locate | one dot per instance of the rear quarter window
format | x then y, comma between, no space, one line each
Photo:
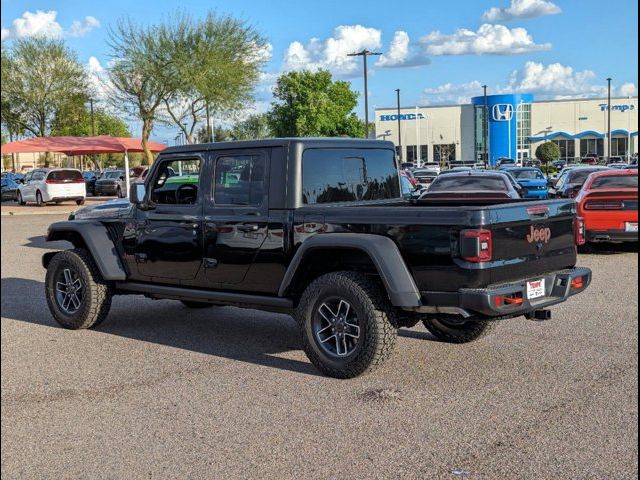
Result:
348,175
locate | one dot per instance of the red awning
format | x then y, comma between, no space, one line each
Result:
80,145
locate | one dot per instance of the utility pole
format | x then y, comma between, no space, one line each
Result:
485,127
609,117
399,129
93,120
209,133
364,54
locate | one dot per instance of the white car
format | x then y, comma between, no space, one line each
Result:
52,185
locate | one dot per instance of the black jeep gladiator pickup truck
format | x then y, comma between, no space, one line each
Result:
316,228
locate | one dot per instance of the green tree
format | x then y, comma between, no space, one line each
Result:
312,104
253,127
547,152
40,79
105,124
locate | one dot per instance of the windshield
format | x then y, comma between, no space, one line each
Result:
468,183
112,175
618,181
527,174
580,176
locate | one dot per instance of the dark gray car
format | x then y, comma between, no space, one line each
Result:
111,182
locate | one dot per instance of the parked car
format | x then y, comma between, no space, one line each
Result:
112,182
90,181
435,166
52,185
455,170
532,162
317,228
424,176
590,159
473,184
559,164
502,161
9,189
571,180
407,165
608,205
532,181
618,165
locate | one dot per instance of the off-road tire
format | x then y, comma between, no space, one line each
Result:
96,300
20,200
377,327
192,304
39,201
452,332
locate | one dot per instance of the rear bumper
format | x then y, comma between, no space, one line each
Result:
596,236
558,287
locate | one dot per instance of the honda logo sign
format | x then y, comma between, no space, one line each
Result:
502,112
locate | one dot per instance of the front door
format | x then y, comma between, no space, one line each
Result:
236,215
169,234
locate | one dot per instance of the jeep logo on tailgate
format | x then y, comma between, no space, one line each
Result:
539,234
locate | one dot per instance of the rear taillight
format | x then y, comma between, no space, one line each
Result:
57,182
580,231
604,205
476,245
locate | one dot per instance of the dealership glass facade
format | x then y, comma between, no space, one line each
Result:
591,145
479,126
567,148
444,153
523,126
619,146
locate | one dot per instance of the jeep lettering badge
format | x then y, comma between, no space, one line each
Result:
539,234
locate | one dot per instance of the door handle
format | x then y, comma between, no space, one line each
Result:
248,227
192,225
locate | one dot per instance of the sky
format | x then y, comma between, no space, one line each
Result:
435,52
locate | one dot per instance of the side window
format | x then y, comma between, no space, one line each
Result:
347,175
27,177
561,181
176,182
38,176
239,180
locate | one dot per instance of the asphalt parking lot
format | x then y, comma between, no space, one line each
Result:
160,391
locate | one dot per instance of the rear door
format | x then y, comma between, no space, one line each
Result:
532,238
236,214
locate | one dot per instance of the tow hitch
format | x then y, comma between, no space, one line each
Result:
538,315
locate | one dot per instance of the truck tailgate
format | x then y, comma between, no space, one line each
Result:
531,239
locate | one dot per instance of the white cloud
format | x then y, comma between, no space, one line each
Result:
628,90
489,39
401,53
332,53
552,81
521,9
41,23
99,83
451,93
80,29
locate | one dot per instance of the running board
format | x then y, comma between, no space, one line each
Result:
225,298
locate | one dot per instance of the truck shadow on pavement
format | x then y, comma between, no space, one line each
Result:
608,248
227,332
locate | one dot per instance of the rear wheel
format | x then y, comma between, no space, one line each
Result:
77,295
346,323
191,304
454,329
39,201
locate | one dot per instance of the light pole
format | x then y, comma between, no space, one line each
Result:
399,130
364,54
609,117
485,127
93,121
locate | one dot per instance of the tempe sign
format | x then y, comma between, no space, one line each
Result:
620,108
403,116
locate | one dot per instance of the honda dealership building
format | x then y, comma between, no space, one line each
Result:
517,124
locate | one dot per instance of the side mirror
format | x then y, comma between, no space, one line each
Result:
137,193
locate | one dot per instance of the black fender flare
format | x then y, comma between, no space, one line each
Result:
98,242
382,251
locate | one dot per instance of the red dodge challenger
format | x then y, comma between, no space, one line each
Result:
608,205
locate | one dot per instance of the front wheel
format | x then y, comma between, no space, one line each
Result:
346,323
457,330
119,193
77,295
80,201
20,199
